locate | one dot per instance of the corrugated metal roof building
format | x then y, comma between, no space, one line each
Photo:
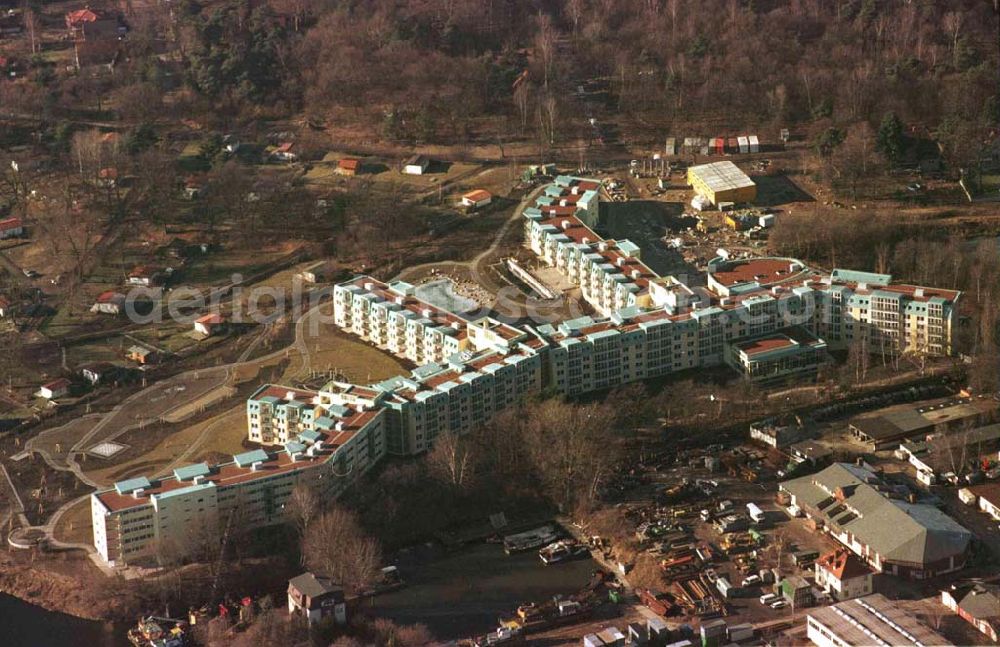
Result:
722,182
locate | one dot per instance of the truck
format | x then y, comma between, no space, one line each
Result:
755,512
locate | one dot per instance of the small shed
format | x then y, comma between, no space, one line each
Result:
349,166
209,324
316,597
141,355
284,153
109,303
55,389
744,144
477,198
416,165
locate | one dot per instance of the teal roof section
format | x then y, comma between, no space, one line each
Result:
293,447
310,436
856,276
338,410
131,485
628,247
246,459
191,489
401,287
325,423
189,472
604,334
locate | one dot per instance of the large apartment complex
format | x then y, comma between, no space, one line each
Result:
770,318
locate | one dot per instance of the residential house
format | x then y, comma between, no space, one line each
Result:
978,604
11,227
416,165
93,24
843,575
477,199
98,372
879,524
316,597
193,187
142,355
283,152
109,303
209,324
348,166
145,276
55,389
988,498
108,177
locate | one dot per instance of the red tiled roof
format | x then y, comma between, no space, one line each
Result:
478,195
57,384
232,474
843,565
349,164
10,223
765,271
82,15
211,318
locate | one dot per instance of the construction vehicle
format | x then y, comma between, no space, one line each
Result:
154,631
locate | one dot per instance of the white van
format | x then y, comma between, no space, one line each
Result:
768,598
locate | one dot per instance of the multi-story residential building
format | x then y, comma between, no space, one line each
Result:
449,397
140,518
391,317
277,415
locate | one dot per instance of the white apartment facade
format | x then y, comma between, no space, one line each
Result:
392,318
140,519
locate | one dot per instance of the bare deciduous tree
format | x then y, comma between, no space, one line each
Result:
336,546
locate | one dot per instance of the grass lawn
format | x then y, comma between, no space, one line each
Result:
75,524
356,360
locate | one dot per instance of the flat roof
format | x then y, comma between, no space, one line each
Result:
722,176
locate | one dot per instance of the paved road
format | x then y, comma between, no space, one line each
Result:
156,401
